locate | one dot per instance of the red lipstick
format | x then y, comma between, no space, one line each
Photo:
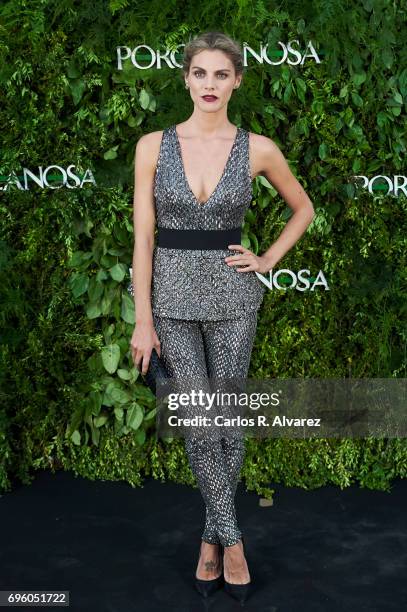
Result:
209,98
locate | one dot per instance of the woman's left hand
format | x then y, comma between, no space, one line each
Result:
247,258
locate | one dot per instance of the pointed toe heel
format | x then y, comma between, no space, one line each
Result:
208,587
240,592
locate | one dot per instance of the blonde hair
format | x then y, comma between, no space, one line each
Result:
214,40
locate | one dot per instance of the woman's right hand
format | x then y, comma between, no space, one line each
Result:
143,340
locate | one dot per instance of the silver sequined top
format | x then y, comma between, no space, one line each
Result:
198,284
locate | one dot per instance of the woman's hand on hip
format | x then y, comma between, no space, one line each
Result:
252,262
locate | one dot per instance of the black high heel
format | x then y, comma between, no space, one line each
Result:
207,587
238,591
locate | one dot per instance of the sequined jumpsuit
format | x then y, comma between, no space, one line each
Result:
205,312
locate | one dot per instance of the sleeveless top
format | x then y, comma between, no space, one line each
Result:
198,284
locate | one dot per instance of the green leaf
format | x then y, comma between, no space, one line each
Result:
144,99
93,310
79,284
73,70
95,436
77,87
102,275
140,436
118,272
132,121
111,153
287,93
76,437
301,88
151,414
117,5
78,258
300,26
111,357
120,396
359,78
124,374
134,416
397,98
387,57
100,420
382,119
95,399
118,412
323,151
95,290
263,181
127,308
357,100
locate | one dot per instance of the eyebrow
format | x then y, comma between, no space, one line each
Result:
221,69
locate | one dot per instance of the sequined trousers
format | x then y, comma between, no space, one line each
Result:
199,350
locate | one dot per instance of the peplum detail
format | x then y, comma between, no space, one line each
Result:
198,284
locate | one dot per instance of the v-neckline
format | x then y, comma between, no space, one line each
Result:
187,185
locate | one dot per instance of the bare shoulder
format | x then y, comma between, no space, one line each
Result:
263,151
148,148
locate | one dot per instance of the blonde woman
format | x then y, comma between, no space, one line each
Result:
196,292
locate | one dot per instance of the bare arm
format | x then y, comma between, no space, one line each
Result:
143,223
144,337
268,160
273,165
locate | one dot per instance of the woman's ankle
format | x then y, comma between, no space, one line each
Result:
233,547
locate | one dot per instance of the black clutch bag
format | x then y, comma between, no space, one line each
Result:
156,370
156,367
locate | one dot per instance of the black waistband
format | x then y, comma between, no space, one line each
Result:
197,239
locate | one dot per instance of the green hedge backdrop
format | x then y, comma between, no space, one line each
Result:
70,397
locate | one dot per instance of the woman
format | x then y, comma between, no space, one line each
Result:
197,293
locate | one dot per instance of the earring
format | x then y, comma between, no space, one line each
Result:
186,85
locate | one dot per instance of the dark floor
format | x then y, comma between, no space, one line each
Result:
119,549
